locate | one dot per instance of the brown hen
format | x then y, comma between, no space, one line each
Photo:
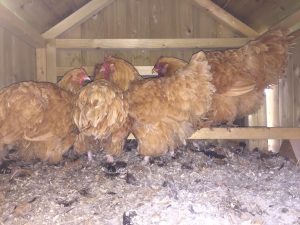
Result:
164,110
43,127
38,118
100,112
116,71
121,74
240,75
73,80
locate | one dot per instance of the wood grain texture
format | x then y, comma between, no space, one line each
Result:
143,70
79,16
43,14
206,43
20,28
51,61
41,64
245,133
17,59
227,18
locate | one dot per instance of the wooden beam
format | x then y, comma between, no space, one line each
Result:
246,133
227,18
150,43
143,70
292,23
41,62
51,61
78,17
18,27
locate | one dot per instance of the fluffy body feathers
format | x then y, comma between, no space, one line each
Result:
239,75
115,70
73,80
100,111
37,118
163,111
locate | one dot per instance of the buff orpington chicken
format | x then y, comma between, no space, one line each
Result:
162,111
36,117
239,75
117,72
100,111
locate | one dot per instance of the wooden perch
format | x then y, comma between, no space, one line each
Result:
143,70
227,18
246,133
151,43
78,17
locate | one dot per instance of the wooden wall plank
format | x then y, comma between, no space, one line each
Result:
227,18
291,22
76,18
289,99
140,20
19,28
2,60
16,59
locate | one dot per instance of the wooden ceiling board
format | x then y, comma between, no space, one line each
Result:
43,14
260,14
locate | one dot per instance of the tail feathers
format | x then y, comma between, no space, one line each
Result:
237,91
267,57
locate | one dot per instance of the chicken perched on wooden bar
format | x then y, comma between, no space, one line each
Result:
36,117
164,110
239,75
74,80
36,114
100,112
120,74
117,72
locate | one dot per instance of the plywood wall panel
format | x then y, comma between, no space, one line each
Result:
289,100
142,19
17,59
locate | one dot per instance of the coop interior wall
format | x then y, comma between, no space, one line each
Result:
142,19
17,59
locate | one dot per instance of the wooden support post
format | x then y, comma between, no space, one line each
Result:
272,111
51,61
258,119
41,63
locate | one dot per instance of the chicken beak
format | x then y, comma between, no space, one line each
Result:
87,78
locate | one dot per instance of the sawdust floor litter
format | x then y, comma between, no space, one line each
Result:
203,183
